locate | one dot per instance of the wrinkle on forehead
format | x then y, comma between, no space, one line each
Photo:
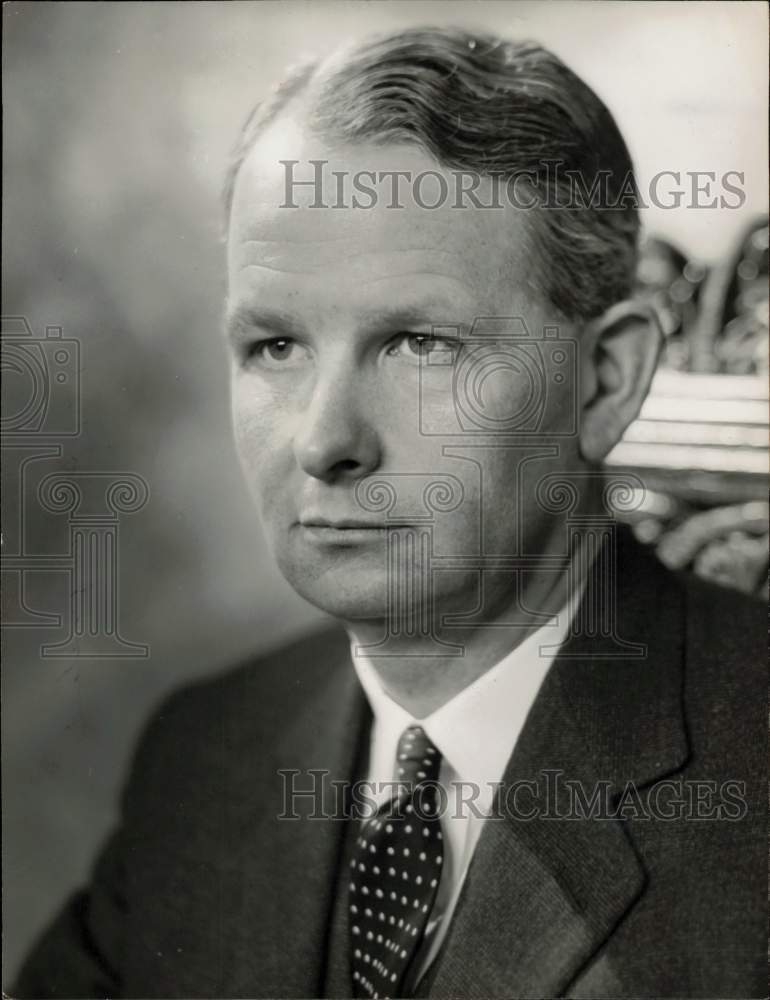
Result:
311,258
371,255
479,248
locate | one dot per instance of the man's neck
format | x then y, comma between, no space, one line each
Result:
421,678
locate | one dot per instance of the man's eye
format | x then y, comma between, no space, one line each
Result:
416,346
278,352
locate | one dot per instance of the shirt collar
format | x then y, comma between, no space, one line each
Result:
477,729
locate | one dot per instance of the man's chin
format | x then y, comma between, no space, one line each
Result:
347,602
345,587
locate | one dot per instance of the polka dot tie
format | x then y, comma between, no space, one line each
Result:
395,872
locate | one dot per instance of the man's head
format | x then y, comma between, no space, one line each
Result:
334,307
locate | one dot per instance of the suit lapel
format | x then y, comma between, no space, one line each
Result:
284,871
544,893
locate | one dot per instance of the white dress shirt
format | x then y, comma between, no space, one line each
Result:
475,731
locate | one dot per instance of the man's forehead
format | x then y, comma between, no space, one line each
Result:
272,219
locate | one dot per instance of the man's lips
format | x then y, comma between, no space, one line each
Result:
349,524
345,532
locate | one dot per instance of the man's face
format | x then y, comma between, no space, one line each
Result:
330,315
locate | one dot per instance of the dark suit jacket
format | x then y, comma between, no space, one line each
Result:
203,892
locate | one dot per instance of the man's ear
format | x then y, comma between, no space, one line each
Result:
619,354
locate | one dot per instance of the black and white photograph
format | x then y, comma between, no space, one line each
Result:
385,517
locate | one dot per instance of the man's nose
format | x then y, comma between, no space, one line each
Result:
336,438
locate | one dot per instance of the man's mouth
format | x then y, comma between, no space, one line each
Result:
346,530
346,524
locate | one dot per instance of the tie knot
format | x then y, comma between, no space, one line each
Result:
417,760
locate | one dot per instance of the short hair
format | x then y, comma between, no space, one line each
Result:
481,103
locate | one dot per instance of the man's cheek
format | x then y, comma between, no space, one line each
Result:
256,424
258,456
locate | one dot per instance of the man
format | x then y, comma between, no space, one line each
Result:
425,381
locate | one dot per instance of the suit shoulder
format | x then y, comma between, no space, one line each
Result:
726,687
250,697
724,623
303,662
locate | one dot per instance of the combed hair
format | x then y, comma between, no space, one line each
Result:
479,103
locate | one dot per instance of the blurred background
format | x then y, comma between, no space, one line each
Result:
118,119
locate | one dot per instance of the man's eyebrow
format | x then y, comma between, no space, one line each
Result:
400,317
244,318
